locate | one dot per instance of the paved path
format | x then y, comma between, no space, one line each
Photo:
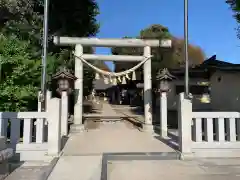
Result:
28,171
83,153
213,169
108,111
113,137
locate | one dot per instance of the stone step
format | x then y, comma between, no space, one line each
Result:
77,167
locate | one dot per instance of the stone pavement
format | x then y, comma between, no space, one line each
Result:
113,137
83,153
28,171
118,152
108,111
130,112
213,169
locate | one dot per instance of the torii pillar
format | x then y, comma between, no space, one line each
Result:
148,90
78,107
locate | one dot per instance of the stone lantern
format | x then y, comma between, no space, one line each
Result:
64,80
65,84
163,77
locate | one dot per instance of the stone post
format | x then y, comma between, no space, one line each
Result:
184,125
40,125
64,114
148,90
163,114
54,127
78,107
39,103
48,97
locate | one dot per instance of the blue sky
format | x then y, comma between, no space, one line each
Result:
211,25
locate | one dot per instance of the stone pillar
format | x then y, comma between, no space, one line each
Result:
78,107
64,114
54,127
148,90
184,125
48,98
39,103
40,123
163,114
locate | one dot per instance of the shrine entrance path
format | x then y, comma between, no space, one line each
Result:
86,154
113,138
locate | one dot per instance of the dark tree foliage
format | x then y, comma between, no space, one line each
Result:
21,29
235,5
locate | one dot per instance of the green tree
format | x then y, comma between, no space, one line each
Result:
235,5
21,23
24,18
19,75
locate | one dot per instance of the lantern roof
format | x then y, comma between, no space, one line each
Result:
164,74
64,73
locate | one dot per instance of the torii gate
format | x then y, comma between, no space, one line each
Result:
95,42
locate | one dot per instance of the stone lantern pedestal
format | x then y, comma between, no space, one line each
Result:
163,77
65,83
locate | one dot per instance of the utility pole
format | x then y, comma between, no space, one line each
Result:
44,53
186,48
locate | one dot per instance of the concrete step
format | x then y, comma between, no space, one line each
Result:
77,167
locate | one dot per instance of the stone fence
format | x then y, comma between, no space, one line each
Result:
41,137
207,134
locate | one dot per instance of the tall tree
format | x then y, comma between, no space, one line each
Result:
24,18
19,75
21,23
235,5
